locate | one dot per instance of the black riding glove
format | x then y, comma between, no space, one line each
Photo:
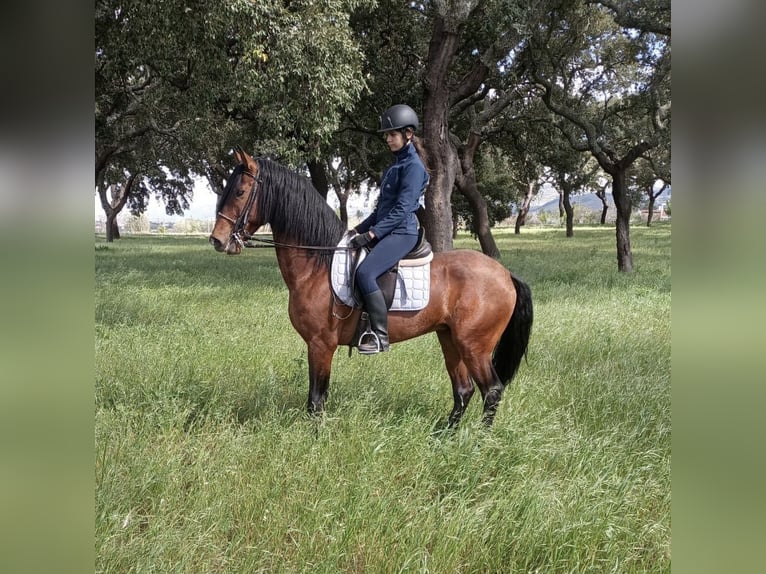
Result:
360,240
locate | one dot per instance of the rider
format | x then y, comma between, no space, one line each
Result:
391,230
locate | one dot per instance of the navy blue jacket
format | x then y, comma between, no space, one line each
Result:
400,191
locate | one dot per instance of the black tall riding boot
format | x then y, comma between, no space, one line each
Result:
376,340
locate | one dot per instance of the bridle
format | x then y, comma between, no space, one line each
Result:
238,233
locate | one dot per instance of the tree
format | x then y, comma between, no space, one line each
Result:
601,188
590,64
529,191
468,40
137,224
610,87
572,173
647,181
344,181
496,185
482,114
113,204
558,164
179,83
153,78
656,167
517,138
527,139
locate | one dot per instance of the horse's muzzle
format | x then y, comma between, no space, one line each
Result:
215,243
232,248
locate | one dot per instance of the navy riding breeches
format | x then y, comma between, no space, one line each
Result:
383,257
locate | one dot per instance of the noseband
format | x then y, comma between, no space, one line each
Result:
238,233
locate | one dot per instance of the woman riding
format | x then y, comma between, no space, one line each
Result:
391,230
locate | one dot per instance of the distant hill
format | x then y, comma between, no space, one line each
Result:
589,201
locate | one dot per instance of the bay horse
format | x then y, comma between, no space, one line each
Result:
481,314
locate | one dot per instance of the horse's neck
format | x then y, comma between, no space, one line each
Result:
297,266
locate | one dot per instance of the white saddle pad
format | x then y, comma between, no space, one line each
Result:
413,282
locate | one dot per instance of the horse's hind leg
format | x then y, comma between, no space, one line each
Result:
462,386
478,364
490,385
492,399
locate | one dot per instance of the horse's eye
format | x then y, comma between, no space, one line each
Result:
240,193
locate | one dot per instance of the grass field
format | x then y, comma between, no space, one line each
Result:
206,461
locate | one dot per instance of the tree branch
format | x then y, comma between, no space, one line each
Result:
625,16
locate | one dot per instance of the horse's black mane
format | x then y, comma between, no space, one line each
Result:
295,209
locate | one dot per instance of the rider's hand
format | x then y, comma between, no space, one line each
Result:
360,240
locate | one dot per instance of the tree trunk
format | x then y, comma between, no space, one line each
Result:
318,177
343,200
441,152
113,208
438,216
344,210
601,194
112,230
562,211
567,204
521,218
466,184
481,218
652,199
623,205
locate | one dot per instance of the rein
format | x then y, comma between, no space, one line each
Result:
272,243
239,235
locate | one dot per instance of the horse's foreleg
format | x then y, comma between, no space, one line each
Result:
462,386
320,363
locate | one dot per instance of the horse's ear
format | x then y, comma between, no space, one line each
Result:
243,157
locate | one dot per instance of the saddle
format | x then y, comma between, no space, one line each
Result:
419,255
411,285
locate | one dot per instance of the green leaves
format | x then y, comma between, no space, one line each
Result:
179,83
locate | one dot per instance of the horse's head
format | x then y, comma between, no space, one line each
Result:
236,209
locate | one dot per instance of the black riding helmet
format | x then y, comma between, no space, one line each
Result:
398,117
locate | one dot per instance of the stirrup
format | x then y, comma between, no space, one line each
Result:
367,349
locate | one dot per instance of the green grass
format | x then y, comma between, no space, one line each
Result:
207,462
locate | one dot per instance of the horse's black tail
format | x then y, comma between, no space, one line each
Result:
512,346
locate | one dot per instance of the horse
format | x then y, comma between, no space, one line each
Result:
481,313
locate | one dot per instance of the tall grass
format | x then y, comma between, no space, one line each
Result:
206,461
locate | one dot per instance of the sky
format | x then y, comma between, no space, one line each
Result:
202,206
